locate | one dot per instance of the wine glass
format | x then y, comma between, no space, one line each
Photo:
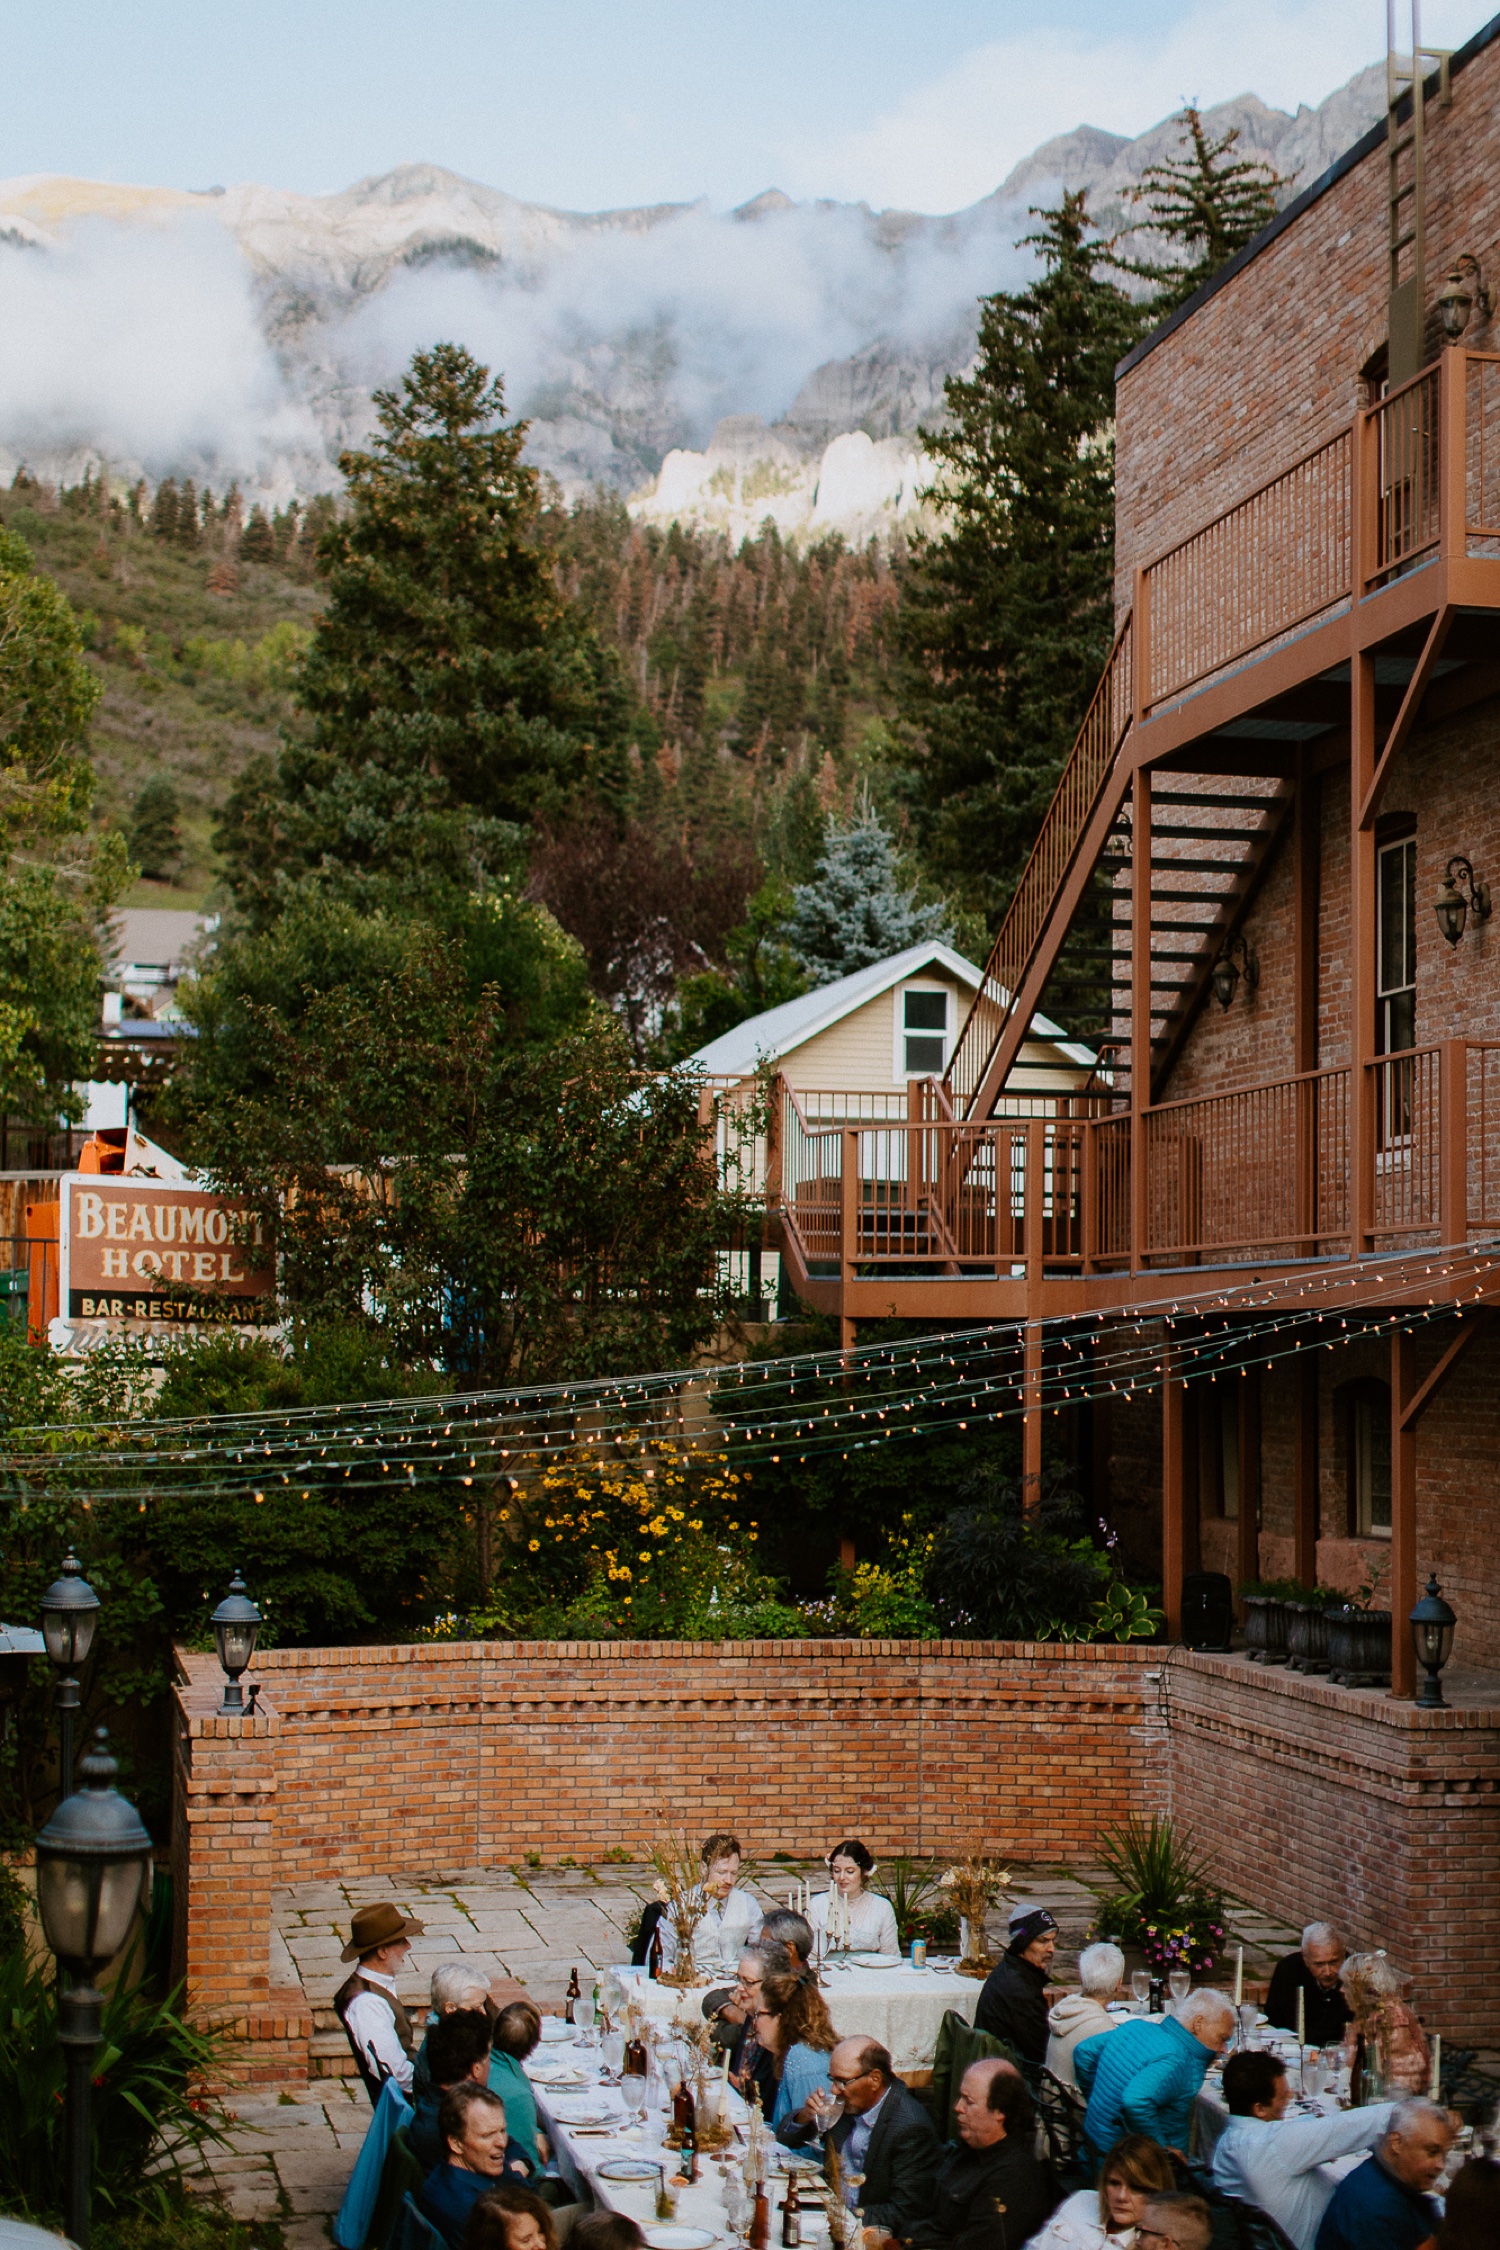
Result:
583,2013
1179,1984
613,2045
827,2108
1314,2073
1247,2013
633,2091
1140,1985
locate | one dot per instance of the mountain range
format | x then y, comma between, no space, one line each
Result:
718,366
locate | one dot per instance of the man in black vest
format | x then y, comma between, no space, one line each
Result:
377,2027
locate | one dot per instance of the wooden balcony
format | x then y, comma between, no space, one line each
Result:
1046,1214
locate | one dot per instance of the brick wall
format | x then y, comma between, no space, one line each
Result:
1269,366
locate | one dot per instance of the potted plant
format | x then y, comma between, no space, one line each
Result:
1164,1901
1265,1603
1359,1635
1307,1629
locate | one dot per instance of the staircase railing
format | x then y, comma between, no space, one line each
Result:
1026,918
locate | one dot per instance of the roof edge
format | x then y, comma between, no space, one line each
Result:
1366,145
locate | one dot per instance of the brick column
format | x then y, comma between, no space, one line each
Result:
224,1862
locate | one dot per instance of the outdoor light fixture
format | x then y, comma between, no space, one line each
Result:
1432,1623
93,1861
1455,300
70,1612
1235,958
1461,890
236,1624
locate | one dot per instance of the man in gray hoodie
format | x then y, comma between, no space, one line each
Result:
1083,2014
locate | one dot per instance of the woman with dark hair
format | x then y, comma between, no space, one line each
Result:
1472,2214
793,2025
510,2217
606,2230
517,2030
851,1918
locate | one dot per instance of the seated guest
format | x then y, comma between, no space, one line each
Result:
1471,2208
732,2021
606,2230
731,1918
1314,1972
456,1985
793,1931
862,1920
515,2035
1106,2217
991,2191
1013,2004
792,2024
458,2054
508,2217
1083,2014
1144,2076
884,2135
1386,2202
479,2154
1175,2222
1378,1996
379,2030
1275,2161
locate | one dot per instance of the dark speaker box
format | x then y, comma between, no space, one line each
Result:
1207,1609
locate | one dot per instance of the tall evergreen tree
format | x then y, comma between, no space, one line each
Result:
857,910
1008,616
1206,204
451,691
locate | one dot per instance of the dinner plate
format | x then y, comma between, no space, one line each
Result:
555,2030
580,2113
557,2074
680,2238
628,2168
876,1960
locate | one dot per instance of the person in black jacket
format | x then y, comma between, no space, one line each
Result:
992,2191
1013,2004
885,2138
1314,1972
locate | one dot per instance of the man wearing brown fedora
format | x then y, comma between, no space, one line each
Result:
377,2027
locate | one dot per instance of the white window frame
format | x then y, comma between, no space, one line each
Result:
899,1071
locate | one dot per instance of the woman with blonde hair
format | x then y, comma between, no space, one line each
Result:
793,2026
1106,2217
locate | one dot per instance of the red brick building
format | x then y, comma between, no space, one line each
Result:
1292,761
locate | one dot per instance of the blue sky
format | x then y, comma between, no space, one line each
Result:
588,103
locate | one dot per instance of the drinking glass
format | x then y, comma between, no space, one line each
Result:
583,2011
1179,1984
613,2044
1314,2073
1248,2014
827,2108
633,2091
1140,1985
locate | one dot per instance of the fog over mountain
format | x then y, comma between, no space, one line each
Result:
773,360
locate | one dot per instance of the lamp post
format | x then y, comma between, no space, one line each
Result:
70,1612
93,1860
1432,1623
236,1624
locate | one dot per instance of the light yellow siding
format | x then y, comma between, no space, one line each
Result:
858,1055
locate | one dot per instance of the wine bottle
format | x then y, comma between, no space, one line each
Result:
759,2237
791,2216
575,1992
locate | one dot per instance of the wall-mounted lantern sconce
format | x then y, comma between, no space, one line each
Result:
1236,959
1461,892
1457,299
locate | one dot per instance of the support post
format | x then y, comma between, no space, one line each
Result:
1140,634
1173,1489
1140,1012
1453,496
1032,1237
1362,939
848,1232
1247,1556
1453,1172
1403,1513
80,2012
1305,1470
1364,502
1306,856
1031,1428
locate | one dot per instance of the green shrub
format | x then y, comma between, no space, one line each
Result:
1164,1899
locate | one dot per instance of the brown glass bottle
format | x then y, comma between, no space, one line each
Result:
636,2062
759,2237
575,1992
684,2112
791,2216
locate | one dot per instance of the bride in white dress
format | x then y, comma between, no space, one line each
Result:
851,1918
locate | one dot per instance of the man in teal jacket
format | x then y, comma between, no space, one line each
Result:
1144,2076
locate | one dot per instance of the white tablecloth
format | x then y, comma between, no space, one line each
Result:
901,2008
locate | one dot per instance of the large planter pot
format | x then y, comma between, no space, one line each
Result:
1307,1636
1265,1629
1359,1647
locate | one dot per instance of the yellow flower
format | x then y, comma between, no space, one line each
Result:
533,1545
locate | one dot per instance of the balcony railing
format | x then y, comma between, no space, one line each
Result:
1258,1174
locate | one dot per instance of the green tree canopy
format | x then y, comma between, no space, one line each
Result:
1007,618
1205,204
856,909
450,691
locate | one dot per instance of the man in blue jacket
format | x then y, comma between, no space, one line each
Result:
1144,2077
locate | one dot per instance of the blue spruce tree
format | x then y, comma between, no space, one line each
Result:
856,909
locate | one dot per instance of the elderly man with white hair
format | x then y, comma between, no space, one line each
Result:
1314,1972
1082,2014
1145,2076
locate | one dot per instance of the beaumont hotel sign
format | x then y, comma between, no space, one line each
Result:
136,1251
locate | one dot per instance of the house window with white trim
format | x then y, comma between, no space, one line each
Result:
925,1025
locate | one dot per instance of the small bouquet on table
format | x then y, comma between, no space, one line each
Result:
974,1884
679,1887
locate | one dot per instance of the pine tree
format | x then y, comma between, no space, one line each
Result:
154,835
164,509
187,514
856,909
1008,614
1207,202
258,540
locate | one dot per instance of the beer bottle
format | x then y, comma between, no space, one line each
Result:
575,1992
791,2216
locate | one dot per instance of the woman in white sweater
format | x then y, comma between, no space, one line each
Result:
851,1918
1083,2014
1106,2217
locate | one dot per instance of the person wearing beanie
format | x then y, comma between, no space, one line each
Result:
1013,2004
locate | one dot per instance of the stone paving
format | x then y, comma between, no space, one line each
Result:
291,2153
